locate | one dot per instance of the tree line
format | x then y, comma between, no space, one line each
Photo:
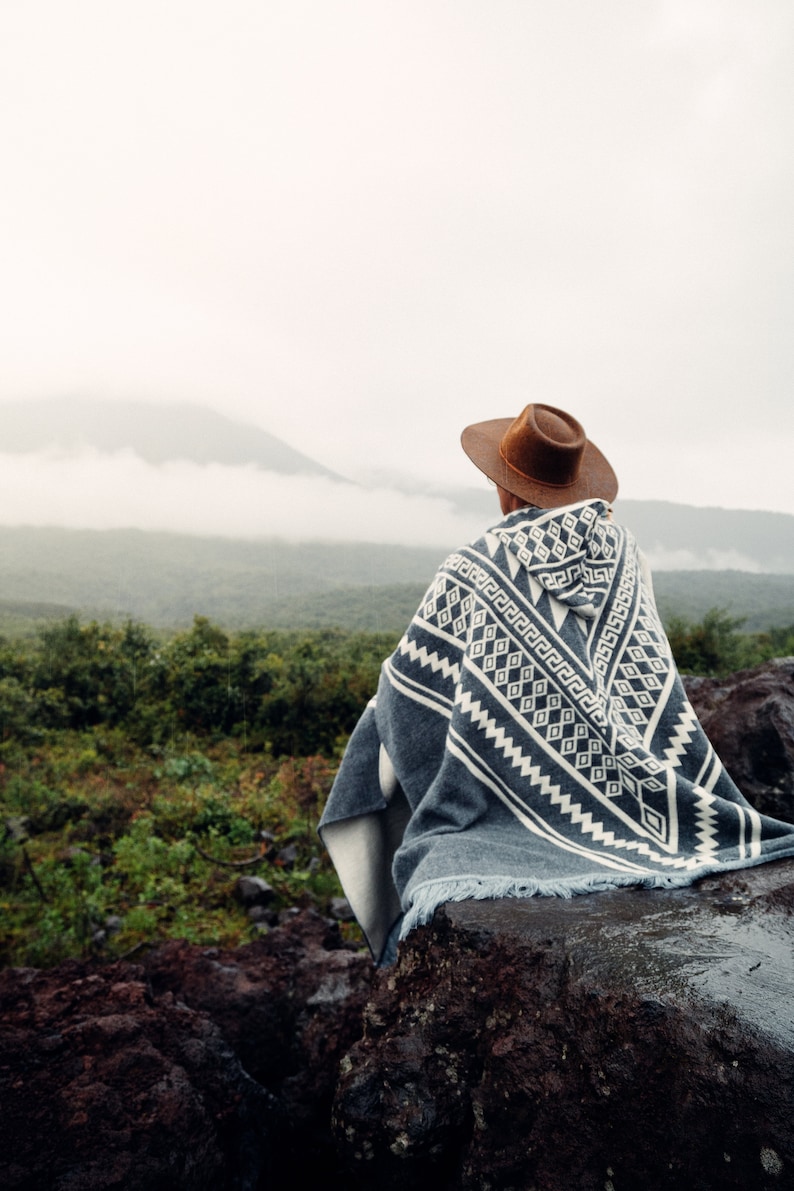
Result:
287,693
716,646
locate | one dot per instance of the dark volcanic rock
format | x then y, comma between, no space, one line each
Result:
254,891
290,1006
198,1069
749,718
633,1041
100,1088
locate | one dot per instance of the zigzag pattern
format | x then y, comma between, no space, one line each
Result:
421,655
479,716
707,821
686,728
543,785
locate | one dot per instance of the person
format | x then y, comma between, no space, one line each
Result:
530,734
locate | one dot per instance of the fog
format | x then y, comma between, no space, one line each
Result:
95,490
89,489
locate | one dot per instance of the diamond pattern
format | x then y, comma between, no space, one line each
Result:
515,646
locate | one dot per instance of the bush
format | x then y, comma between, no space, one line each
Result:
715,647
103,852
712,647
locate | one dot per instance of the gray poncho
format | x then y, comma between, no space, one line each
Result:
531,735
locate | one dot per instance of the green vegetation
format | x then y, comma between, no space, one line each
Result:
715,646
141,775
139,778
107,847
284,693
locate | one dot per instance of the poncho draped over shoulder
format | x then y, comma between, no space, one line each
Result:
531,735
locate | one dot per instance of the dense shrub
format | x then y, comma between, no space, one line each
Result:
715,646
285,693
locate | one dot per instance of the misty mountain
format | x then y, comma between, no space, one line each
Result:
157,433
675,537
682,537
165,579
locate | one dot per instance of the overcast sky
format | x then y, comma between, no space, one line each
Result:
362,224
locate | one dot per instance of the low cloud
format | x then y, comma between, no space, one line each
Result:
94,490
662,559
90,489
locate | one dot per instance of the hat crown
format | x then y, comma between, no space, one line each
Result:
544,444
543,456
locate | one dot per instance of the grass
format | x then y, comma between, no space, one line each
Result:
107,847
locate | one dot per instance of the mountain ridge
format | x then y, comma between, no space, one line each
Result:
156,432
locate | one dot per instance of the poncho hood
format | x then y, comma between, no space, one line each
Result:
569,552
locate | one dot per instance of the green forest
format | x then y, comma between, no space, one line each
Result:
141,773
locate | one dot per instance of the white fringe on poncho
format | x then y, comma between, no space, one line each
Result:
531,735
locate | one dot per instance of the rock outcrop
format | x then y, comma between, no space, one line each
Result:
627,1041
203,1070
749,718
290,1006
102,1087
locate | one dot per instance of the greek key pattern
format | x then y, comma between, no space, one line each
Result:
515,648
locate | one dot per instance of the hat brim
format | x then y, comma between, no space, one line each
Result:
596,478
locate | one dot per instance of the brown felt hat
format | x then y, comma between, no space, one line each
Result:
542,456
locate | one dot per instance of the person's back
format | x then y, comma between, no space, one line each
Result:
530,733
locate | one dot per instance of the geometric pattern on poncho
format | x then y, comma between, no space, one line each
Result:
526,665
535,720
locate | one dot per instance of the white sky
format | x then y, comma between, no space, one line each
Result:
362,224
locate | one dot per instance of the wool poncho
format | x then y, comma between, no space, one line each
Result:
531,735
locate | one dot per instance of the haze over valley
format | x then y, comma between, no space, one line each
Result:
88,464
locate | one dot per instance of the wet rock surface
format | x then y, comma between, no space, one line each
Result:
749,718
636,1040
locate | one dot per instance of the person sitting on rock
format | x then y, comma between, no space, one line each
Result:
530,733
